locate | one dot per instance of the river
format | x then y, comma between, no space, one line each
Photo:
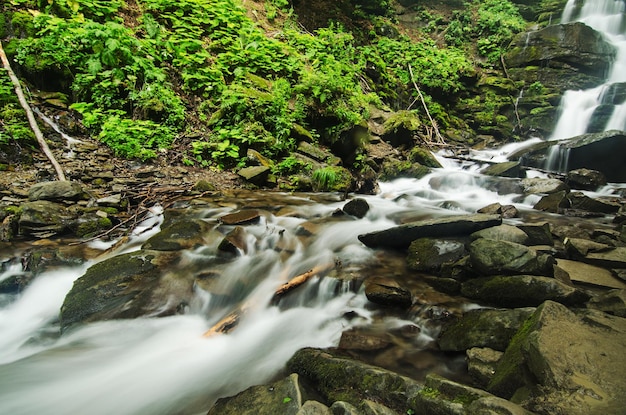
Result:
165,365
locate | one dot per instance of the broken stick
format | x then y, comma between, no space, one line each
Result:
229,322
30,116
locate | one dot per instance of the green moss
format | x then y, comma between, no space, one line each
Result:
393,169
332,179
424,157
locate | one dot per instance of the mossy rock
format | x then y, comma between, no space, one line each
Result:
332,179
124,287
92,225
393,169
424,157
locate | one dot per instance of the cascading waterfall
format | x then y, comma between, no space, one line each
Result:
578,106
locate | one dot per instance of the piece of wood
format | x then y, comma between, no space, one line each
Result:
31,118
298,280
230,321
433,123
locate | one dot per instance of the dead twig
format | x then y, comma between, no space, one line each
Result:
433,123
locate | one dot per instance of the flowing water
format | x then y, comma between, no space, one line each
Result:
165,365
578,106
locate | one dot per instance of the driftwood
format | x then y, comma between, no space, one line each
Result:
31,118
229,322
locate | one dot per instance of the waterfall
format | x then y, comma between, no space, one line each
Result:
577,107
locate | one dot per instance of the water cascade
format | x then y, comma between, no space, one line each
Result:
578,107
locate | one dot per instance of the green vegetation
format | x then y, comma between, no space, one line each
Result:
212,78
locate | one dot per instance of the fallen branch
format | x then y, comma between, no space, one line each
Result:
298,280
30,116
432,121
229,322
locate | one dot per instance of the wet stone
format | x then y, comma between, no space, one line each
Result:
387,292
242,217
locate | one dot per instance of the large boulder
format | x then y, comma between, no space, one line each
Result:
127,286
496,257
429,254
602,152
560,362
483,328
344,379
521,291
43,218
570,56
402,236
286,396
56,191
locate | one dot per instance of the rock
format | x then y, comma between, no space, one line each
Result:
424,157
400,128
613,258
110,201
553,203
566,363
429,254
579,247
184,234
585,179
580,272
537,185
578,53
44,219
314,408
242,217
491,257
595,151
506,211
344,408
257,175
402,236
521,291
483,328
286,396
441,396
347,380
235,241
56,191
315,152
127,286
357,207
611,302
356,339
580,201
503,232
538,233
481,364
506,169
387,292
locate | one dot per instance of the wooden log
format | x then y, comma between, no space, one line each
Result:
229,322
30,116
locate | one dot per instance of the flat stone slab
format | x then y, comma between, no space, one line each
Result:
589,274
401,236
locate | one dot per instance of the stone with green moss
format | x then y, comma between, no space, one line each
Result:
393,169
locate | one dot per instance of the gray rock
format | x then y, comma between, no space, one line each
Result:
553,203
613,258
538,233
566,363
44,218
503,232
351,381
127,286
580,201
585,179
344,408
491,257
387,292
314,408
506,169
429,254
286,396
235,241
357,207
481,364
521,291
402,236
581,273
56,191
537,185
184,234
483,328
612,302
257,175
